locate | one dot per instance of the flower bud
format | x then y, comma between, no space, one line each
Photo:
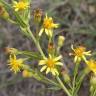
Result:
3,13
37,15
51,47
66,76
11,50
26,73
61,41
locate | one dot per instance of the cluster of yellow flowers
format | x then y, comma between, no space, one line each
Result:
49,60
49,63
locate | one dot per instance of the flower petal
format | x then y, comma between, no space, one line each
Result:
75,59
50,33
87,53
43,68
41,31
47,31
46,16
56,25
50,56
53,72
42,62
57,58
48,70
56,71
59,63
84,58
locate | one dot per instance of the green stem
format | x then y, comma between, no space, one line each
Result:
74,79
94,94
80,79
63,87
36,43
38,76
10,20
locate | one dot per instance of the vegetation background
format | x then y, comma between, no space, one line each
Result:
77,20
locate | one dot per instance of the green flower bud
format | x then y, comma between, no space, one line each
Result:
37,15
11,50
66,77
61,41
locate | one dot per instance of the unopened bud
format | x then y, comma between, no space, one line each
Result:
66,76
11,50
61,41
3,13
26,74
37,15
50,47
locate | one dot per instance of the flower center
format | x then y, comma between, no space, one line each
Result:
16,63
48,23
50,63
79,51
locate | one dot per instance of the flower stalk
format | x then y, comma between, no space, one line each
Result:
36,42
63,87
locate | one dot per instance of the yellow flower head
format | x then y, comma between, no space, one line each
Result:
48,26
80,53
21,5
92,65
26,73
15,64
49,64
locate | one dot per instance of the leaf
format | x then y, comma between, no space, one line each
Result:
54,88
31,55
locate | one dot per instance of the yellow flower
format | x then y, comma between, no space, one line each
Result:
80,53
49,64
92,65
21,5
26,73
15,64
48,26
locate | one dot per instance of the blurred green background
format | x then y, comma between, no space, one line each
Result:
77,20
